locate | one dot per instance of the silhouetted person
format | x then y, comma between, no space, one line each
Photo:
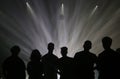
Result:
118,63
50,63
65,65
35,66
84,62
108,61
14,67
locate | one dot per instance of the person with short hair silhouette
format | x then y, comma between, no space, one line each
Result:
107,63
50,62
84,62
13,66
35,66
65,65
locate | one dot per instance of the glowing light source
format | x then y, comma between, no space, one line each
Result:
40,24
62,9
94,10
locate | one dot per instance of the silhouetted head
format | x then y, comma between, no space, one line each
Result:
87,45
106,41
118,50
35,55
50,47
15,50
64,51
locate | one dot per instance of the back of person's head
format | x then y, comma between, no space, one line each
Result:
51,47
106,41
64,51
15,50
87,45
35,55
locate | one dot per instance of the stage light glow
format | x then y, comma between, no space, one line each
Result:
69,24
96,7
62,28
62,9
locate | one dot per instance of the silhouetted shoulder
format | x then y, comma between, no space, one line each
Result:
77,54
14,61
35,67
81,53
108,53
93,55
66,60
48,57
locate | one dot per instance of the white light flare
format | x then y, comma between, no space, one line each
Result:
94,10
72,28
39,23
29,7
62,9
62,30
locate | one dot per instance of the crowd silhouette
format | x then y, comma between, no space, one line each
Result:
81,66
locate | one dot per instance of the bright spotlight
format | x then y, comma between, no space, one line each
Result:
94,10
62,11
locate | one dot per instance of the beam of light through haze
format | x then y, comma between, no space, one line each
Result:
34,23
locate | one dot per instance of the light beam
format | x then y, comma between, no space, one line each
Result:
67,24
